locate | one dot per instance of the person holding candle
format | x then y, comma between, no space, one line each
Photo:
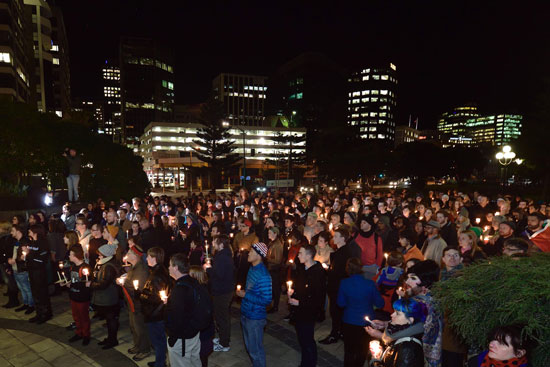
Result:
357,296
307,299
152,304
403,336
256,297
220,273
274,265
337,272
105,293
79,294
22,276
36,261
469,249
137,275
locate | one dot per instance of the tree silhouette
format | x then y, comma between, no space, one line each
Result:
214,144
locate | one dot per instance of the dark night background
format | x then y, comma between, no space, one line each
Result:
446,52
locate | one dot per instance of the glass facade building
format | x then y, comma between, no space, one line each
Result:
372,103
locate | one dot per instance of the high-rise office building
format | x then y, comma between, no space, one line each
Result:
16,57
61,76
465,123
243,97
454,122
146,86
372,102
111,123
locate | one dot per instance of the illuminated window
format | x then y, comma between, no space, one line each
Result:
375,77
366,77
384,91
299,95
55,48
385,77
55,61
374,92
365,92
5,57
170,85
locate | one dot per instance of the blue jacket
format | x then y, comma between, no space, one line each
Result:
258,293
221,273
358,296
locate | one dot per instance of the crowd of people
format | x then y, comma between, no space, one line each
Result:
177,265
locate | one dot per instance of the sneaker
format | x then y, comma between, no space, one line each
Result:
22,308
216,341
74,338
85,341
220,348
71,326
29,310
329,340
140,356
133,350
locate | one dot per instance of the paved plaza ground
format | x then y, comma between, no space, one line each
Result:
24,344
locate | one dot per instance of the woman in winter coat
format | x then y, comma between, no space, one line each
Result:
402,337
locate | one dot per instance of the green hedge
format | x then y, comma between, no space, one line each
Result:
501,291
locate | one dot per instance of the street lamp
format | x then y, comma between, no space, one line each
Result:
505,157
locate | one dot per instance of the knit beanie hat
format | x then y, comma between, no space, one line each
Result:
107,250
260,248
353,216
274,230
427,271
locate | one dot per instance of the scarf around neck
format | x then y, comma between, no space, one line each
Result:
513,362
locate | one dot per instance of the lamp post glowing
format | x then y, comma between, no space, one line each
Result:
505,157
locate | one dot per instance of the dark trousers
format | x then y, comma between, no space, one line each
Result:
110,313
81,318
336,313
39,289
221,305
139,331
356,345
8,277
158,340
276,286
304,332
452,359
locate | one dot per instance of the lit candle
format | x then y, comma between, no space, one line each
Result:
238,287
85,272
24,253
206,251
421,217
231,235
62,273
486,228
386,256
486,239
325,266
136,284
478,220
497,213
375,349
291,261
330,226
289,284
163,296
125,259
368,320
121,280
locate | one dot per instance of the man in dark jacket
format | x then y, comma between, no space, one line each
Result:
307,299
448,230
37,260
73,172
80,295
152,304
183,339
148,235
336,273
220,274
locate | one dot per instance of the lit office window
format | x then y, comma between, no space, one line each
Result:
5,57
55,48
55,61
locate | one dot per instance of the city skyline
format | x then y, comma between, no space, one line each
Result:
446,54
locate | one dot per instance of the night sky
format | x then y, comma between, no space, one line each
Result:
446,52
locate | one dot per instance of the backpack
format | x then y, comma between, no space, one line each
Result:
201,316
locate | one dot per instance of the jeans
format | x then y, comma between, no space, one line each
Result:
253,334
72,185
24,285
158,340
222,316
192,353
304,332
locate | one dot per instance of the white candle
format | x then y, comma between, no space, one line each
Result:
238,287
325,266
136,284
386,256
289,284
478,220
330,226
85,272
206,251
231,235
163,295
291,261
24,255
